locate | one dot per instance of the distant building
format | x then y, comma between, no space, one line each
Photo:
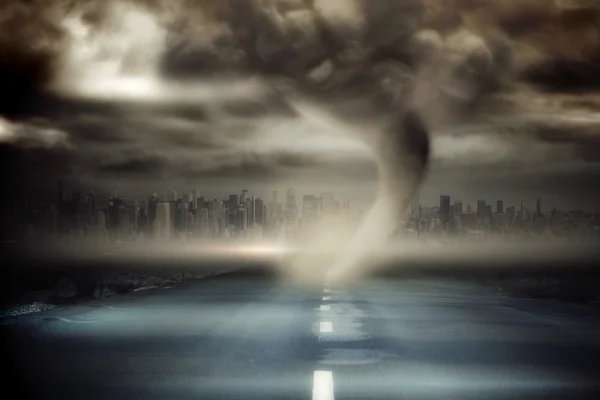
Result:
445,209
115,211
469,208
510,211
539,207
259,211
243,196
310,207
499,207
196,196
202,222
290,203
153,200
458,207
481,209
242,222
163,219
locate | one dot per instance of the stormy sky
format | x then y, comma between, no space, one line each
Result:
135,95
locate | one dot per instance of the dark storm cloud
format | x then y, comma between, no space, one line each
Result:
30,44
565,76
445,58
138,165
283,165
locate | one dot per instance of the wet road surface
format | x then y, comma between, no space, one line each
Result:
256,337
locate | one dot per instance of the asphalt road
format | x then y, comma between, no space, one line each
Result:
255,337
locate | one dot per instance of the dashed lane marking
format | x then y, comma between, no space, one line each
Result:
325,327
323,385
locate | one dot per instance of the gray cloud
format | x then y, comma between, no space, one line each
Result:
460,63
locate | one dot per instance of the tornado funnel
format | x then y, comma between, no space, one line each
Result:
401,151
400,146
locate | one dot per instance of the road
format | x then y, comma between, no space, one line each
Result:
255,337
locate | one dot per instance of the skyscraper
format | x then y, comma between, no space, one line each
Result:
153,200
481,209
539,207
116,204
242,218
243,196
252,211
500,207
310,207
196,195
259,215
458,207
445,208
290,203
163,220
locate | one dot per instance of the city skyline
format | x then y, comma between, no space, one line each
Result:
165,216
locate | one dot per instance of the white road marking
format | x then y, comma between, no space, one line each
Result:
327,298
325,327
323,385
325,307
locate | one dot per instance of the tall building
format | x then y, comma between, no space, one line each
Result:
242,221
539,207
243,196
196,195
310,207
133,211
290,202
174,193
116,204
445,208
163,220
458,207
500,207
510,211
153,200
275,197
481,209
233,202
252,211
202,221
259,214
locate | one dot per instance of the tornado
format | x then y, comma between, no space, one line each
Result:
401,151
400,146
